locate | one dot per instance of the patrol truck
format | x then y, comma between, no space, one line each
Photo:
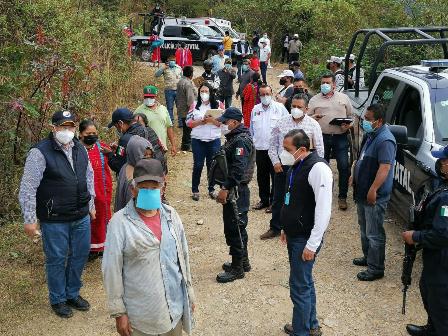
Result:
200,39
416,102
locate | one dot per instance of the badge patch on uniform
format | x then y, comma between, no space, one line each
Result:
120,151
444,211
239,151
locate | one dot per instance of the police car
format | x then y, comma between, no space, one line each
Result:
416,102
200,39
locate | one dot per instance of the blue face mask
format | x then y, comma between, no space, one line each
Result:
325,88
149,199
228,66
171,64
367,126
245,67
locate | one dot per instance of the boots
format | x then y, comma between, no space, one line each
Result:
426,330
245,260
235,272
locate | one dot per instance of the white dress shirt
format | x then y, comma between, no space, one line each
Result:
263,120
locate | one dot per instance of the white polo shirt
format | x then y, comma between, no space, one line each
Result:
263,121
264,52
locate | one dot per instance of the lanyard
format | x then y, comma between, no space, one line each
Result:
293,174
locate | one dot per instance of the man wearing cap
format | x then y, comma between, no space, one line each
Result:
171,74
239,151
294,66
432,236
158,117
287,90
334,65
294,48
146,268
265,55
209,76
352,73
218,60
57,190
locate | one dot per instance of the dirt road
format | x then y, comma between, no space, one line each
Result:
258,304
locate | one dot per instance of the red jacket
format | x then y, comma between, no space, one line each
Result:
187,58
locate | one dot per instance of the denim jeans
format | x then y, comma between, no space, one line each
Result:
373,236
337,146
263,70
302,292
278,199
66,246
228,53
202,151
170,97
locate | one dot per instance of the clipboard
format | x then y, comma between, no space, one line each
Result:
215,113
340,121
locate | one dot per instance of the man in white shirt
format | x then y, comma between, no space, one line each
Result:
334,64
305,217
264,117
265,55
279,157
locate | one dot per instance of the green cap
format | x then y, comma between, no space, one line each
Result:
150,91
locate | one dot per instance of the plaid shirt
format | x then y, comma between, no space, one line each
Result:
310,126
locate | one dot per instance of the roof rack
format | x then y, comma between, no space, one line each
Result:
423,38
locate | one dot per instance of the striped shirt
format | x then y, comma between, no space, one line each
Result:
310,126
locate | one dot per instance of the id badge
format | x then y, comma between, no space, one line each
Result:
287,198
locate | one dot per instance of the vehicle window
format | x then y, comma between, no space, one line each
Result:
188,32
385,92
216,29
171,31
206,31
440,99
409,114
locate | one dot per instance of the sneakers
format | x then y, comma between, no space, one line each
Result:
195,197
62,310
269,234
79,303
343,204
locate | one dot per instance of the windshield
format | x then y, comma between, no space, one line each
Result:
440,101
206,31
216,29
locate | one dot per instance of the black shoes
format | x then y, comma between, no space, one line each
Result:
367,276
79,303
235,272
360,261
62,310
260,205
270,234
313,332
227,266
415,330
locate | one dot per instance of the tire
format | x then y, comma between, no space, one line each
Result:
145,55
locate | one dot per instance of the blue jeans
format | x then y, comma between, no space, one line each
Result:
66,247
373,236
302,292
170,97
263,70
202,151
337,146
228,53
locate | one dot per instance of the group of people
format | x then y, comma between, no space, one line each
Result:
289,135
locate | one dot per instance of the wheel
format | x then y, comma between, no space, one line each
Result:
145,55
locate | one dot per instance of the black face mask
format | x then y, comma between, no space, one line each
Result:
282,81
90,139
298,91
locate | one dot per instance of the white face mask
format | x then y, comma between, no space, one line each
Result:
225,129
64,136
266,100
296,113
149,101
205,96
287,159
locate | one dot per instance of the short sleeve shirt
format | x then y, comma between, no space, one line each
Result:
158,119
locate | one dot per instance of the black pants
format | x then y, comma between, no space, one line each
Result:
230,223
336,146
263,70
265,174
285,54
293,57
186,136
435,298
279,199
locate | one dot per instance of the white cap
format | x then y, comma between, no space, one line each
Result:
286,73
335,59
351,58
296,35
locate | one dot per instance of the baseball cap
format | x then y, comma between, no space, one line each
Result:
334,59
295,63
441,154
296,35
221,48
63,117
148,170
150,91
286,73
231,113
121,113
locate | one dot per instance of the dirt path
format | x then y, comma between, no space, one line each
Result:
258,304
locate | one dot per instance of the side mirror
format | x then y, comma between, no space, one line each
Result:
400,133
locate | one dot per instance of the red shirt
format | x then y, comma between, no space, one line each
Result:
153,223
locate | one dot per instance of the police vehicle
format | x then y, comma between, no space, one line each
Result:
200,39
416,102
220,26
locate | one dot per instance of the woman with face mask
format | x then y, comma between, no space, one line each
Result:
205,135
226,77
251,97
138,148
88,135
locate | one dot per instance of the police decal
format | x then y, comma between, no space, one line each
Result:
403,176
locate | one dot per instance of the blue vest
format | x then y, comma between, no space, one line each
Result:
367,166
62,195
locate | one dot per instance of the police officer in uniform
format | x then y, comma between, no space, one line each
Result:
433,238
239,152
